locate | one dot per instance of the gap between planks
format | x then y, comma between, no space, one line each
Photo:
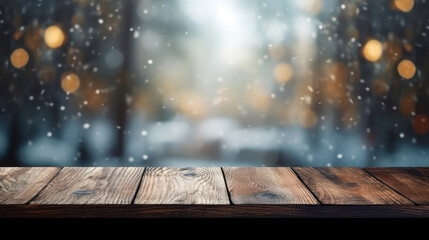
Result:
393,189
28,202
411,182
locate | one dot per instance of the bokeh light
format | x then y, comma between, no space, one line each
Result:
54,37
70,82
274,82
19,58
404,5
406,69
372,50
283,72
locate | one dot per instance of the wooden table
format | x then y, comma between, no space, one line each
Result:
213,192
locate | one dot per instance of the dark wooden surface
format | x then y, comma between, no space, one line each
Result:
213,211
413,183
348,186
214,192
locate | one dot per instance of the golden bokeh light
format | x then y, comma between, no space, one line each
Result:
372,50
421,124
70,82
283,72
54,37
406,69
19,58
404,5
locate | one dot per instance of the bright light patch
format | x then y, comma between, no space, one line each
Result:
226,15
406,69
404,5
283,72
70,82
372,50
54,37
19,58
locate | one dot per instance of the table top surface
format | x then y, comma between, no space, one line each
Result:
213,192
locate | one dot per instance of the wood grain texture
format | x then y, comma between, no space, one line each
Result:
95,185
268,185
348,185
182,186
18,185
413,183
212,211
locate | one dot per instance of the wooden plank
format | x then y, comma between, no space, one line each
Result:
213,211
413,183
182,186
348,186
95,185
268,185
18,185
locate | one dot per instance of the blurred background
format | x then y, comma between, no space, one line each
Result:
214,83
